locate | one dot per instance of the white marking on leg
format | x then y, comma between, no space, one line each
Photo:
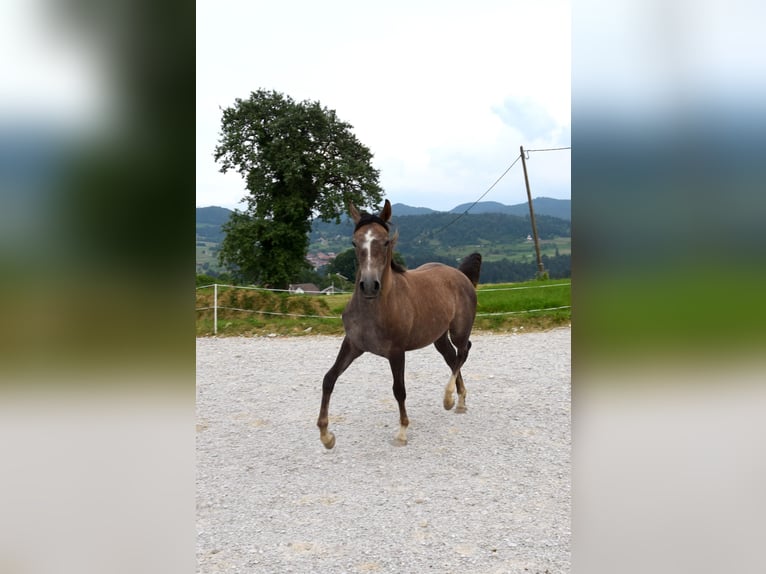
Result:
449,401
461,394
401,437
461,408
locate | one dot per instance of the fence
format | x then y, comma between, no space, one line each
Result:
215,306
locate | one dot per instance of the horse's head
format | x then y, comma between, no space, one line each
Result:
374,249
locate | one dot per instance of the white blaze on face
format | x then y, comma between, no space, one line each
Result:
367,249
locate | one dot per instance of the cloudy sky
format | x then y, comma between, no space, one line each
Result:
442,92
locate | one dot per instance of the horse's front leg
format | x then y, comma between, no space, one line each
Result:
348,352
397,369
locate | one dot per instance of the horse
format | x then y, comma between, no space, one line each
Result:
394,310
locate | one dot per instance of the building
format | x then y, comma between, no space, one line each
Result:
320,259
300,288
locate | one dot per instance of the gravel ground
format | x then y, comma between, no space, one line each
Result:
487,491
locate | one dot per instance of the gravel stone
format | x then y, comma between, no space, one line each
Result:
483,492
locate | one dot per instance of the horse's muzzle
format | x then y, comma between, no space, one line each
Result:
370,288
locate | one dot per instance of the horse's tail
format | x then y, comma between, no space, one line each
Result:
471,267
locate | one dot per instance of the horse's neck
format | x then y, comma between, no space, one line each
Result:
390,285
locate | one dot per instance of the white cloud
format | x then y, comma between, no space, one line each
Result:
528,117
419,81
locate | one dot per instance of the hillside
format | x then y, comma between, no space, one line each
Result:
209,236
561,208
209,217
444,237
404,209
209,222
498,231
213,215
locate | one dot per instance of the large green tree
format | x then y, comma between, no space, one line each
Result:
299,161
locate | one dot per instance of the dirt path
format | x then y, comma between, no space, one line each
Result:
487,491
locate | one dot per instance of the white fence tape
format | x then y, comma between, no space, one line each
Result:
216,307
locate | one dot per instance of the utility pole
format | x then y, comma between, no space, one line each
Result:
540,270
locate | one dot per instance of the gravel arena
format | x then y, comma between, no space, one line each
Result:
487,491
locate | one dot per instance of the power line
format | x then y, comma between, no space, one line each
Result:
480,198
550,149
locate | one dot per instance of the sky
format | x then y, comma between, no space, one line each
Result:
443,93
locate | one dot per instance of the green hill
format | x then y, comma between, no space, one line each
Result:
448,237
428,235
209,236
561,208
213,215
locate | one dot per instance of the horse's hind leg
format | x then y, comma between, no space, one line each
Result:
444,346
455,359
462,355
348,352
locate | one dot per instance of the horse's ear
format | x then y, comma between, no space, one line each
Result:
385,215
353,212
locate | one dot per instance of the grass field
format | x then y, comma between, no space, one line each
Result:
507,307
520,251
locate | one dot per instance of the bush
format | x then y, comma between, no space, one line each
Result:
203,279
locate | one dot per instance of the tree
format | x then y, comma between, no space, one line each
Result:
344,263
299,161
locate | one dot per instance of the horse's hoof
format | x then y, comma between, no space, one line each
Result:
401,437
328,440
448,404
461,410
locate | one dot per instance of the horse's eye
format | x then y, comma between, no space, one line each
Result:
353,243
387,242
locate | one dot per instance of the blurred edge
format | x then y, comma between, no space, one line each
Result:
669,118
96,189
97,340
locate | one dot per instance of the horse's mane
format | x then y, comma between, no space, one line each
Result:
396,267
367,219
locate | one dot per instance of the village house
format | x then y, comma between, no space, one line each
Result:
300,288
320,259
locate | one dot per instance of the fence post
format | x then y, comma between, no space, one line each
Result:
215,308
